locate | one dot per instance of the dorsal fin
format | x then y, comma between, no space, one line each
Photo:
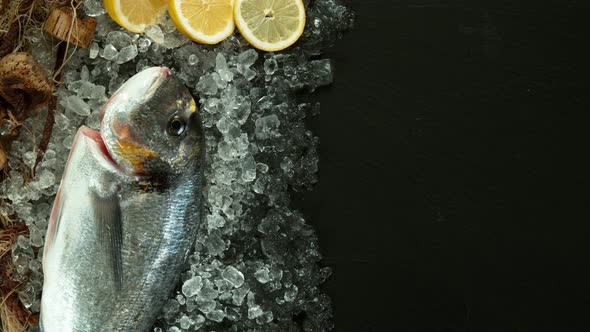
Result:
107,215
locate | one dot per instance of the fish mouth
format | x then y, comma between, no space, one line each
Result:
95,136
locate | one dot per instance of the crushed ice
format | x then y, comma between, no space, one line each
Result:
256,264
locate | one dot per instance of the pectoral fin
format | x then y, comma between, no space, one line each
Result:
54,221
107,214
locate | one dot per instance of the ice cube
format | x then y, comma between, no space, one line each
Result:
119,39
174,39
262,275
23,242
248,57
226,151
155,33
221,84
29,158
27,295
238,295
199,321
62,121
192,286
287,166
143,44
76,105
291,294
233,275
193,59
84,73
96,72
94,7
259,186
224,124
270,66
267,127
7,127
224,287
276,273
68,141
205,305
207,292
216,315
222,68
85,90
243,112
99,93
127,53
249,73
109,52
191,306
215,221
323,71
265,318
262,167
254,311
220,62
248,168
93,120
35,265
207,85
35,236
46,179
185,322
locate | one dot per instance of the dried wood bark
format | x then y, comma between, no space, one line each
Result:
3,158
65,24
3,112
23,82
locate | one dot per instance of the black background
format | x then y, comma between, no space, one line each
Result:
454,182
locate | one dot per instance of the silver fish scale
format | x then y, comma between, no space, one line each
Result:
158,228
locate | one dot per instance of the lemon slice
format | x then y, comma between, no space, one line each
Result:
135,15
270,25
204,21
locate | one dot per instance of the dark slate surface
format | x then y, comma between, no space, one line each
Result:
454,171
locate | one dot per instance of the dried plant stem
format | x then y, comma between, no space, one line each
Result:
12,39
10,322
13,315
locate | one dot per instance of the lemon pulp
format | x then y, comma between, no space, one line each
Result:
135,15
204,21
270,25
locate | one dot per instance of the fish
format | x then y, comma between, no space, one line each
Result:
126,213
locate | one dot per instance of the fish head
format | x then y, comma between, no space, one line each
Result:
151,125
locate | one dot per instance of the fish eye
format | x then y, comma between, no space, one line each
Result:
176,126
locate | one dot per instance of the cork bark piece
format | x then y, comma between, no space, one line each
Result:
64,24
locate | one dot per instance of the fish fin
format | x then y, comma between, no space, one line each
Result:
54,220
107,214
